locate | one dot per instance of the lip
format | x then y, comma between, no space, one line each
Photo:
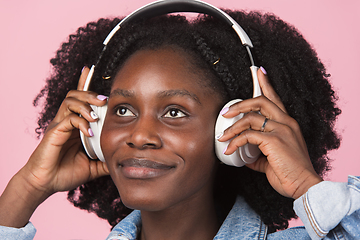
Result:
135,168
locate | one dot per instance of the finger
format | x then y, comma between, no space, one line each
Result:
84,73
98,169
74,121
267,90
73,105
79,102
259,165
275,135
87,97
260,126
81,84
248,136
252,121
260,104
60,133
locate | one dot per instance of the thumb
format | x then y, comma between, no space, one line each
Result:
98,169
259,165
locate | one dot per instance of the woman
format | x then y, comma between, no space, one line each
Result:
167,80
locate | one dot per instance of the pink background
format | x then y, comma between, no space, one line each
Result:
31,32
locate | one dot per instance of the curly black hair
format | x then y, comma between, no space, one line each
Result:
294,70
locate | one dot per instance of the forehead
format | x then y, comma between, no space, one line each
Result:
169,66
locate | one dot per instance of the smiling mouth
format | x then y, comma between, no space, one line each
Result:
143,169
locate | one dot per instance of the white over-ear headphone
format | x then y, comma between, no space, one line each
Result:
246,154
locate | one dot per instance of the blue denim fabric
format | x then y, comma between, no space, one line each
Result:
334,207
25,233
241,223
329,210
331,205
128,228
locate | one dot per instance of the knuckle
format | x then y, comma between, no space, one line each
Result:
263,100
230,131
294,124
70,118
71,93
274,139
287,130
251,117
67,101
246,134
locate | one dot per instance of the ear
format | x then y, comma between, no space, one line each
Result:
84,73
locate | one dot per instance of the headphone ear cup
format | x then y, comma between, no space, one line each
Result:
244,155
92,144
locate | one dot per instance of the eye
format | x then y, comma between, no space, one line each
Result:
175,113
124,112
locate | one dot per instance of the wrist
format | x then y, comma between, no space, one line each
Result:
310,179
19,201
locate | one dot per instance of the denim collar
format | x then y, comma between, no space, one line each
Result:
241,223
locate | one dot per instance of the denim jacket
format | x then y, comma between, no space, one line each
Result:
329,210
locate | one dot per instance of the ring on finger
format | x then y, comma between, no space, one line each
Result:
262,129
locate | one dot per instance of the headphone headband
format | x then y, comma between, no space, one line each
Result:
162,7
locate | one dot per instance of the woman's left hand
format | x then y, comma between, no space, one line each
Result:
286,161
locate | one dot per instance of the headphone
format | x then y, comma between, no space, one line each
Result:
245,154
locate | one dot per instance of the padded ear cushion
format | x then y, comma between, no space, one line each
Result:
92,144
244,155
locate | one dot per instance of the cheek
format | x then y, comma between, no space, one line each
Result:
200,162
111,140
201,145
196,146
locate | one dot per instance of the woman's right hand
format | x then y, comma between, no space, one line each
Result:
58,163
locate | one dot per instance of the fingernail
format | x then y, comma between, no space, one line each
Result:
94,115
219,135
90,132
101,97
225,110
263,70
83,68
225,149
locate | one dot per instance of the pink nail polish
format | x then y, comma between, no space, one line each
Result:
90,132
263,70
225,110
94,115
219,135
225,149
101,97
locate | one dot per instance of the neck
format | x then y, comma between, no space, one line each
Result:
194,219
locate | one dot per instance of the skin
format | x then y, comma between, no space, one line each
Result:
57,164
286,161
179,198
151,86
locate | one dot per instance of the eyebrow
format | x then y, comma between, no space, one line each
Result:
178,92
162,94
122,92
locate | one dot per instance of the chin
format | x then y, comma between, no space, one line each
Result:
143,196
144,204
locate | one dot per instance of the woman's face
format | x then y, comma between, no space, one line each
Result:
158,135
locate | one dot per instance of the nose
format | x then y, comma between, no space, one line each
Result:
145,134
